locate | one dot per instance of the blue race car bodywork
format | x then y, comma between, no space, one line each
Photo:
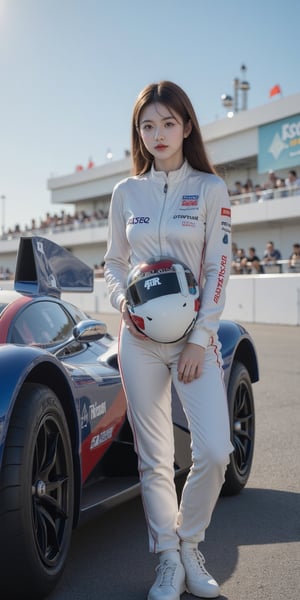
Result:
66,448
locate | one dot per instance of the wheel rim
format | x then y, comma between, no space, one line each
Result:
50,490
243,428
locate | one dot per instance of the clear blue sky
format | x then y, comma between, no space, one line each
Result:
70,71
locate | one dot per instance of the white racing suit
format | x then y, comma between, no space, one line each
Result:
186,215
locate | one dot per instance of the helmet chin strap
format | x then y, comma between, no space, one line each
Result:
181,276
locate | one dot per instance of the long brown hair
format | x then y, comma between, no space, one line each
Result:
175,99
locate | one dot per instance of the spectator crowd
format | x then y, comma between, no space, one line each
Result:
242,262
241,193
281,187
54,222
271,261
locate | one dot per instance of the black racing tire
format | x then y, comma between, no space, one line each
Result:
242,426
36,496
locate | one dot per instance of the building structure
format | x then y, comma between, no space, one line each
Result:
244,148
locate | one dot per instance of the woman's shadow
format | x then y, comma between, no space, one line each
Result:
109,556
254,517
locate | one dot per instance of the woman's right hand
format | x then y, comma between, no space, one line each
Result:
129,324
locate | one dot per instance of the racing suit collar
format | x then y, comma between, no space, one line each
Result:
172,176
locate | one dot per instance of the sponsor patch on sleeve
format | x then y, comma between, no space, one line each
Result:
225,212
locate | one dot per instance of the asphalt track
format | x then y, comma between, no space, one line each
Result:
252,546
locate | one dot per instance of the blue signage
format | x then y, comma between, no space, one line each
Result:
279,145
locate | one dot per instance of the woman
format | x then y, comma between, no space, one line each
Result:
174,205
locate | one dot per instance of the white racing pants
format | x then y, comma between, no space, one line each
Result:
147,369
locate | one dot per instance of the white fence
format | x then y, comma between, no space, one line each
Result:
250,298
264,299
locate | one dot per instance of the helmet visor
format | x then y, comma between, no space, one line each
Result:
148,288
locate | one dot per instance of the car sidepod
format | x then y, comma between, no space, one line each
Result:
37,477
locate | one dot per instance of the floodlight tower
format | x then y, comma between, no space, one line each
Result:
232,102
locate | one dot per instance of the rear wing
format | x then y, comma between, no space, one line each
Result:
45,268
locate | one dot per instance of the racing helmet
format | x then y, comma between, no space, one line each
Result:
163,298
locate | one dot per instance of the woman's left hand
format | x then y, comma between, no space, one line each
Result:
190,362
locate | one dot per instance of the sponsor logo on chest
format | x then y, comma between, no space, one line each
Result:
190,201
138,220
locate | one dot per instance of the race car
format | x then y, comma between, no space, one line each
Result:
66,448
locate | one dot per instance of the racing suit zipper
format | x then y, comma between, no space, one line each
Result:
160,220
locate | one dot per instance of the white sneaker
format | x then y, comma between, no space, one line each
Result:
198,581
170,581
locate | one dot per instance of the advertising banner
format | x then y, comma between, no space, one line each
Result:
279,145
